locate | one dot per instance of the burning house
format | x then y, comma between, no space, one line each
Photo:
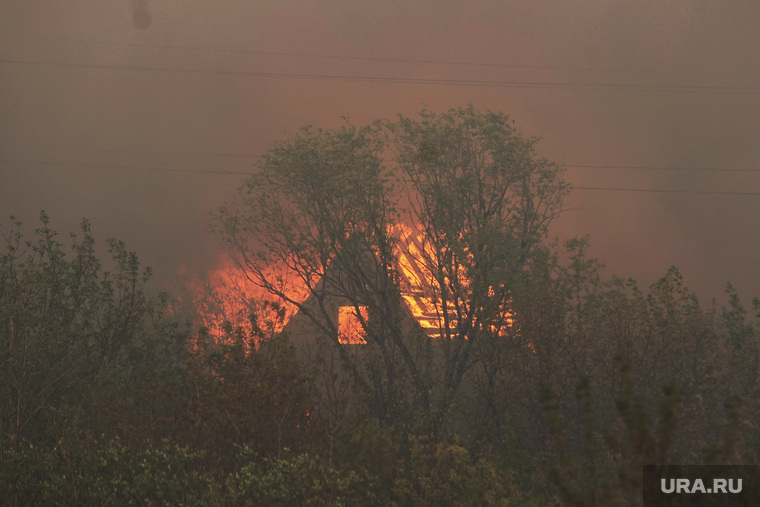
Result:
330,313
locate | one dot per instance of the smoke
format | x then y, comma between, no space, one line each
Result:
102,120
141,17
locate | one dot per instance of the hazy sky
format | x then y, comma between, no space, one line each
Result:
107,108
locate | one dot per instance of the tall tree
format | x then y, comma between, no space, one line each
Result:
62,320
480,201
325,210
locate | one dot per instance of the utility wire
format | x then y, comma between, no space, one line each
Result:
661,168
552,85
662,190
245,156
384,59
137,152
129,167
242,173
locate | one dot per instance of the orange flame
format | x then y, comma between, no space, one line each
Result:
350,328
416,261
229,301
226,303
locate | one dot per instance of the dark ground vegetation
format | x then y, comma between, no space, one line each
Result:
109,396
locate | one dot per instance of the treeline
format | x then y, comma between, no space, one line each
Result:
111,397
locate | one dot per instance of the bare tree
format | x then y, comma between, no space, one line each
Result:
325,211
481,201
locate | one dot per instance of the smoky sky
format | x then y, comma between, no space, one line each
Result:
134,113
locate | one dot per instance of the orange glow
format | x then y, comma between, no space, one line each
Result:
417,282
350,328
227,303
419,287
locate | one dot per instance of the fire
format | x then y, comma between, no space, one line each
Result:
413,255
350,328
419,286
227,303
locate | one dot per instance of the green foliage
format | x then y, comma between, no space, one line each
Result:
298,480
257,397
159,474
608,471
326,208
437,473
62,319
551,384
30,475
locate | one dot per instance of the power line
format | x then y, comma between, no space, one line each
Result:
668,191
129,167
552,85
660,168
386,59
242,173
248,156
138,152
